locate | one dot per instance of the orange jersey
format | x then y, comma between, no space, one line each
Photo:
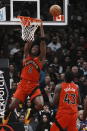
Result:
68,98
31,69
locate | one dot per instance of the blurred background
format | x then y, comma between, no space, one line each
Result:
66,51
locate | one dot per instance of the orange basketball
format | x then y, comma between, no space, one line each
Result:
55,10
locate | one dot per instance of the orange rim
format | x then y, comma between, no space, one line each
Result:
27,20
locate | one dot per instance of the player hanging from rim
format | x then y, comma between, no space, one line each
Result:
34,56
67,98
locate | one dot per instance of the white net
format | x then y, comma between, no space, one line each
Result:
28,32
29,26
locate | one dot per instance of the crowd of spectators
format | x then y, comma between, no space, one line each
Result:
66,51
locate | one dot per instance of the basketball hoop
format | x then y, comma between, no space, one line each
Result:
29,26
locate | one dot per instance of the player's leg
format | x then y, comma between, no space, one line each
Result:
73,123
60,123
72,128
14,103
18,96
37,99
39,102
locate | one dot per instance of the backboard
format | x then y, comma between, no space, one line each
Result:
35,9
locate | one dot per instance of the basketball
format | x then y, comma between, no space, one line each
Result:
55,10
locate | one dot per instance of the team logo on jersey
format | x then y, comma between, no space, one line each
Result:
6,128
33,63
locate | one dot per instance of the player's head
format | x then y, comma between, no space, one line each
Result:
68,77
35,49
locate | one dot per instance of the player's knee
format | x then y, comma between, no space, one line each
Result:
39,102
39,106
14,104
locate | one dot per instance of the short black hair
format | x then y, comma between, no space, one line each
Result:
68,76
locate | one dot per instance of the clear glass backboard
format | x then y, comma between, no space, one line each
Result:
33,8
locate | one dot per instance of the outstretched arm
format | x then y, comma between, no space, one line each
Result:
27,47
42,44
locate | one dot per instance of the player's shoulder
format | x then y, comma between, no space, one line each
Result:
60,84
76,84
58,87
